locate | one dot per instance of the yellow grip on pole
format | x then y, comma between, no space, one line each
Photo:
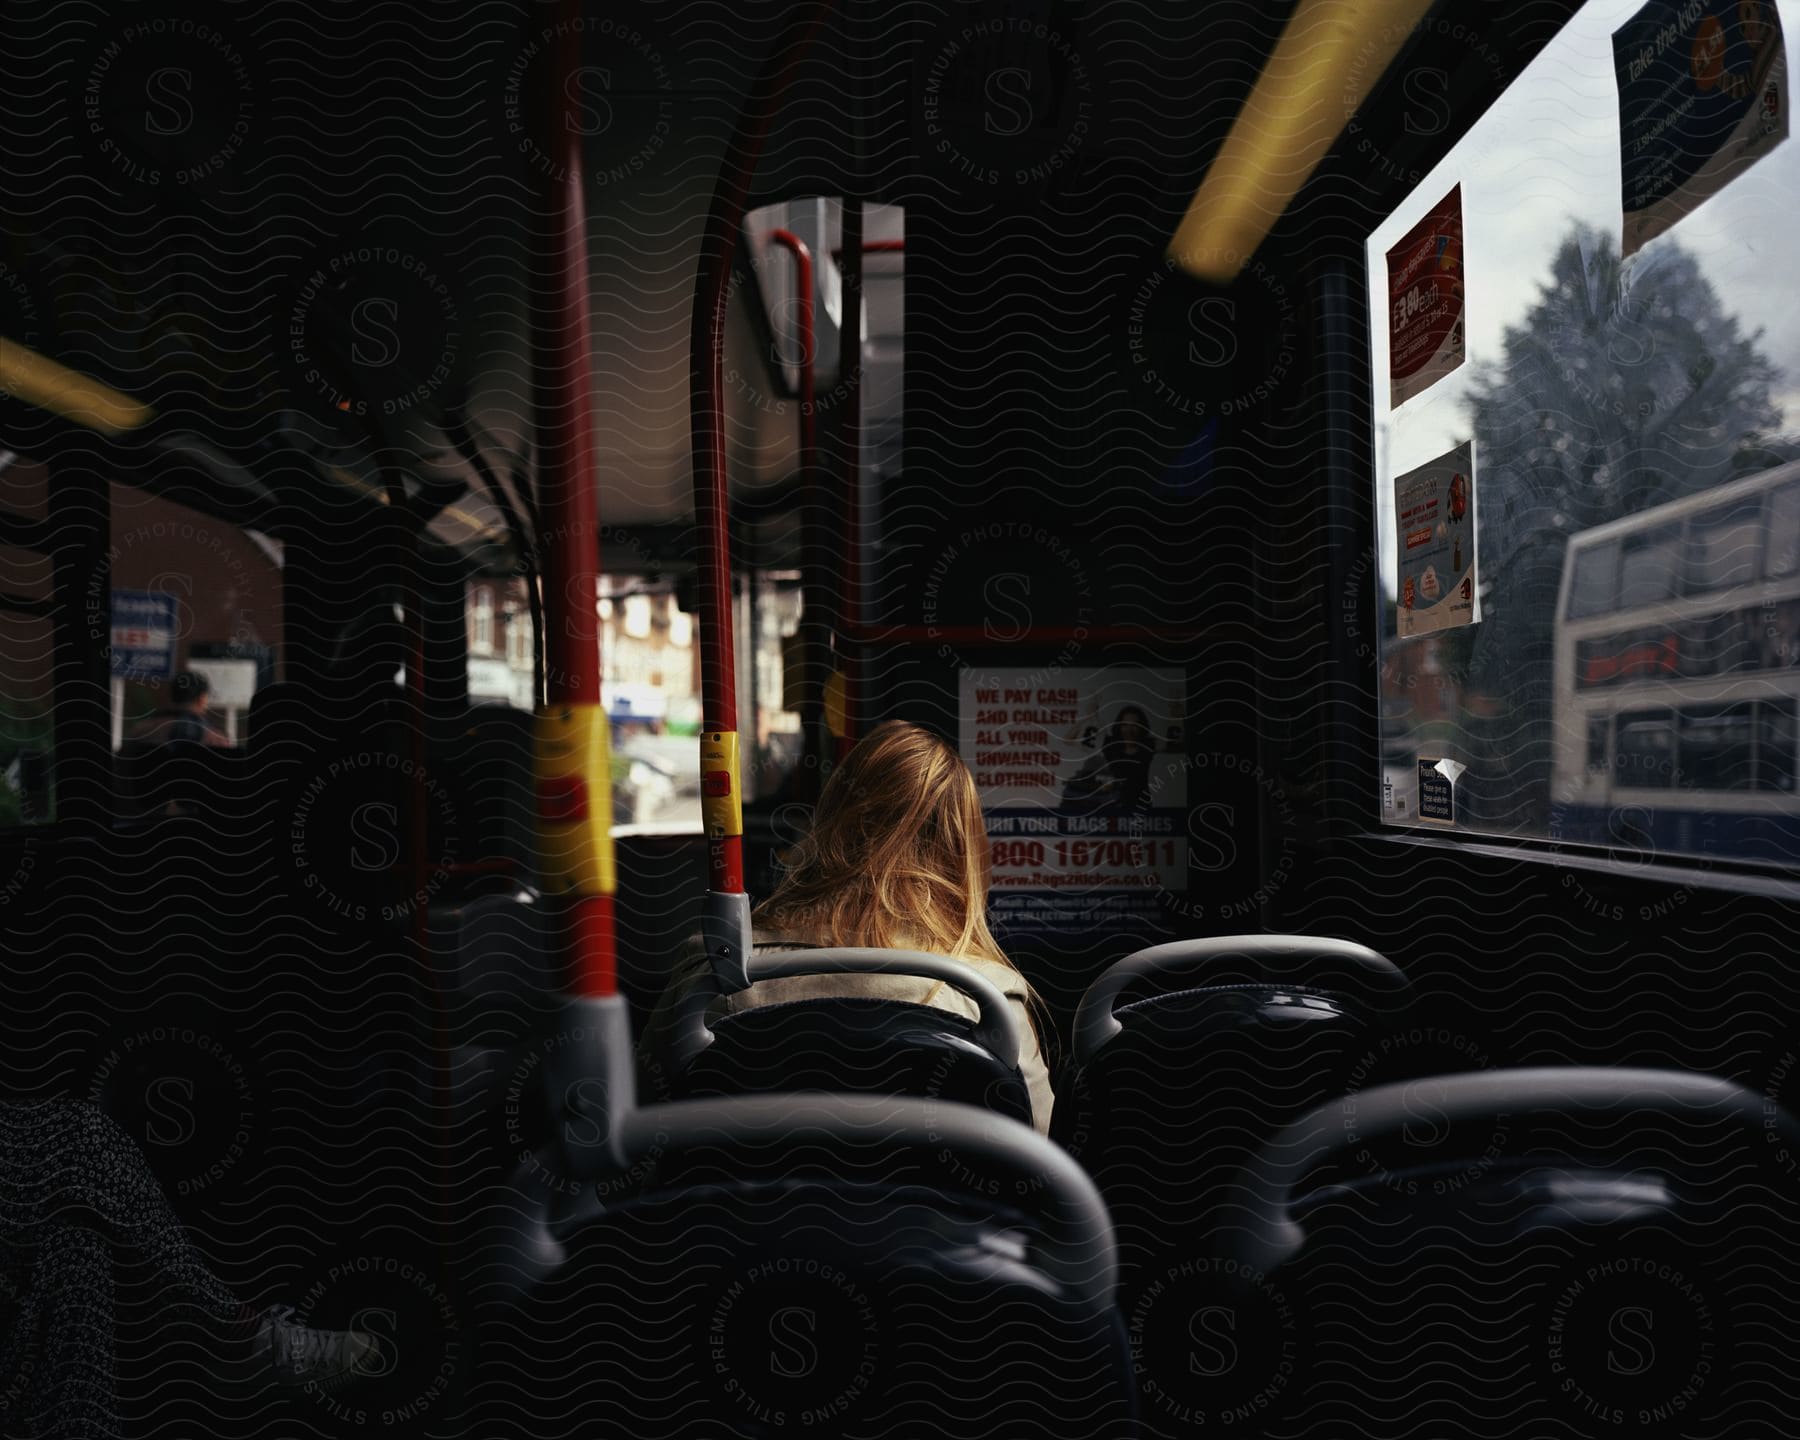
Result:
837,719
721,784
574,800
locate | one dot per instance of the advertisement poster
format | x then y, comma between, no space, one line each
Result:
1083,777
143,635
1425,301
1702,96
1434,531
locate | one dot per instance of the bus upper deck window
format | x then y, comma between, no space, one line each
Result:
1649,566
1784,531
1596,581
1723,545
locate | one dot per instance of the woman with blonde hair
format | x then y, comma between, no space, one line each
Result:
896,859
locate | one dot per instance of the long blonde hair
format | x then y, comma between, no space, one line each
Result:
896,856
897,859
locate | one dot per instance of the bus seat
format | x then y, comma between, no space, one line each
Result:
153,780
280,723
485,762
494,962
1187,1056
854,1044
1536,1251
845,1264
497,979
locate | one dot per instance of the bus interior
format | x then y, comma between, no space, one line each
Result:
469,476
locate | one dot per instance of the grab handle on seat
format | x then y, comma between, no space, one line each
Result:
1463,1105
996,1027
1076,1246
1275,959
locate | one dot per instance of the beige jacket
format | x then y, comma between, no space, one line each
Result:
691,969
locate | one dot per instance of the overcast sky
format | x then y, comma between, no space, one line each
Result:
1543,158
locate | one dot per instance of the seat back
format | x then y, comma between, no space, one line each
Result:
1527,1252
849,1265
1186,1057
854,1044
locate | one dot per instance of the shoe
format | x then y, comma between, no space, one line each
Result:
300,1355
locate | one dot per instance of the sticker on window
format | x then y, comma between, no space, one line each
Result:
1425,301
1702,97
1437,790
1434,513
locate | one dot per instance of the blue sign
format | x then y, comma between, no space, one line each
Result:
1702,95
143,635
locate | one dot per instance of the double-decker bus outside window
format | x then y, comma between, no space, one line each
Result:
1717,746
1649,567
1624,669
1723,546
1776,734
1783,537
1644,750
1596,582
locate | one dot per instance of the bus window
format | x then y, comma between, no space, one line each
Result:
1780,623
1644,751
1728,644
219,587
1776,736
501,646
1595,586
27,652
1597,729
1623,489
1722,546
773,624
1716,747
1618,659
1649,566
27,736
1784,532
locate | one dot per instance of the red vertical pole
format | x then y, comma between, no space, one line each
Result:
850,440
573,775
725,920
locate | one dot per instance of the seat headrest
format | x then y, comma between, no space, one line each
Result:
1449,1136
